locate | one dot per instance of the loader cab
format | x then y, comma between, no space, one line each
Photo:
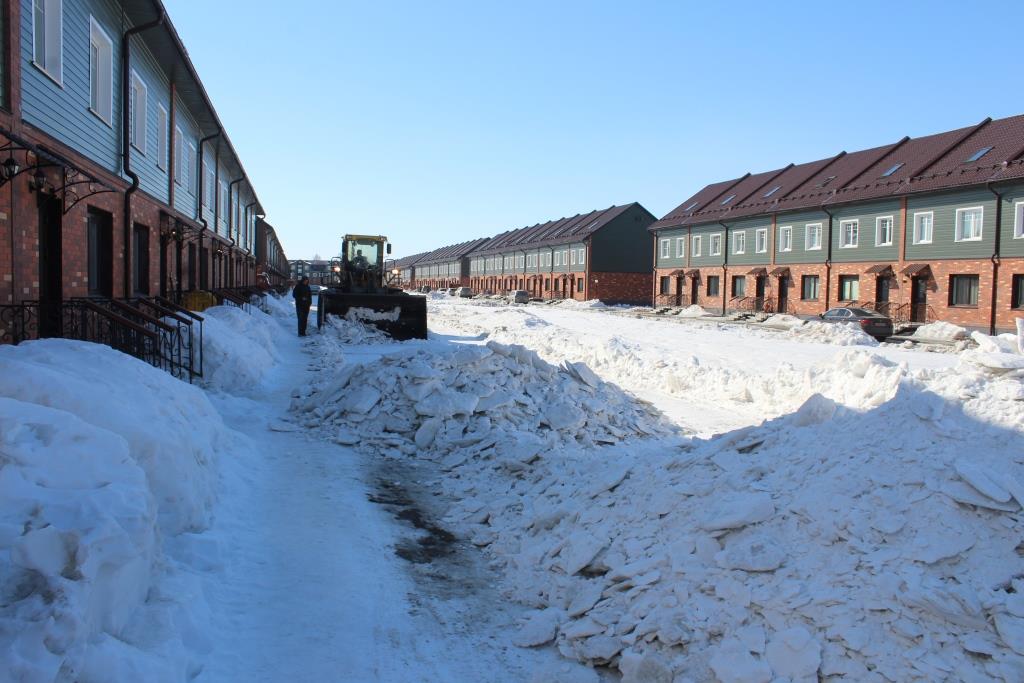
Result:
364,253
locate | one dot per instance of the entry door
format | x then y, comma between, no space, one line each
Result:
759,287
783,293
51,289
919,299
679,290
694,290
882,285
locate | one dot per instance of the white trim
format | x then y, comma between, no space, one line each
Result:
48,11
581,259
695,246
855,222
1018,221
666,248
163,137
132,132
956,224
878,226
807,235
192,187
680,247
179,151
931,228
739,249
108,44
757,235
712,251
788,231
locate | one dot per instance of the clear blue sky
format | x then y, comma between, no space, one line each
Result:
438,122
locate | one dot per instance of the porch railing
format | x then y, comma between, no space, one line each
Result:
19,322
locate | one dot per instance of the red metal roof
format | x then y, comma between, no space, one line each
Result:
452,252
558,231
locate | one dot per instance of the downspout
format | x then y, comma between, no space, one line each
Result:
828,260
199,204
126,144
995,258
725,264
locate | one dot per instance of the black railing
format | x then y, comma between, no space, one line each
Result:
19,322
87,320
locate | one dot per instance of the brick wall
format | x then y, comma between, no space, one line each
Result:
1006,317
620,288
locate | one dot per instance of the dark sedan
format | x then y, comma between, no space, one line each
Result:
872,322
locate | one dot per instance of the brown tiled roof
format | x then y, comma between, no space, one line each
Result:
558,231
929,163
451,252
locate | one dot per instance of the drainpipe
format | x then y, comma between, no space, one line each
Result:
199,204
725,264
828,260
995,257
126,143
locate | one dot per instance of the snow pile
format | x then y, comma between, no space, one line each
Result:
357,314
693,311
942,331
101,457
281,307
574,304
459,402
239,348
795,549
840,334
346,331
783,320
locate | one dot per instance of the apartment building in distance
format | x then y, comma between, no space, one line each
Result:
921,229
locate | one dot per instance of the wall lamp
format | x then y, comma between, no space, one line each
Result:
37,182
9,169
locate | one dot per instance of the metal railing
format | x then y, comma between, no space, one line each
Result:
913,313
19,322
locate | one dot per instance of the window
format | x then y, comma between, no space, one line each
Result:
739,242
772,191
1017,292
923,227
161,137
727,200
892,170
786,238
222,201
977,155
681,244
963,290
849,287
812,237
739,285
712,285
209,188
848,234
968,224
716,244
581,258
691,206
138,114
825,181
579,284
558,258
761,240
101,72
47,38
695,249
572,257
140,259
809,287
1018,221
190,180
179,144
883,231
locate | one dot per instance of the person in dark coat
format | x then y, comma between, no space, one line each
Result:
303,300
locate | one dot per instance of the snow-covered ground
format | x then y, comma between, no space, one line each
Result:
565,493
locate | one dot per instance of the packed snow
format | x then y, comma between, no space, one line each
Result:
941,331
539,493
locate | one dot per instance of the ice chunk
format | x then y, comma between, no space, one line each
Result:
446,403
1011,630
644,668
427,432
794,654
980,478
360,399
564,672
540,628
733,663
733,511
755,554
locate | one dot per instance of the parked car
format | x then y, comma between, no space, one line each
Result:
520,296
424,289
452,291
465,293
872,322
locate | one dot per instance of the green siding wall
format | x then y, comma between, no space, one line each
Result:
866,216
944,206
799,252
674,260
749,229
706,258
616,247
1010,245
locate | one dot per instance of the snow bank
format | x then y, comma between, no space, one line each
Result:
693,311
840,334
348,331
592,304
101,457
941,330
239,347
281,307
796,548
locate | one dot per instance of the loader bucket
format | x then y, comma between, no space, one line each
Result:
400,315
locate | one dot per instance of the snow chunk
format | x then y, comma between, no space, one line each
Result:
540,628
794,654
733,511
941,331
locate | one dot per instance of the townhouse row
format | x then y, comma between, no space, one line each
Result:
923,229
121,181
586,256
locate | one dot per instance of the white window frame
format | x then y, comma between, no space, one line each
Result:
582,258
222,202
812,229
163,122
190,184
179,149
715,244
915,237
739,242
53,32
138,90
572,257
1018,221
786,238
103,71
695,246
958,227
210,180
878,230
843,243
761,236
666,248
680,247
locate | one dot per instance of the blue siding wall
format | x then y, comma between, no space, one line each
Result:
152,179
62,110
185,195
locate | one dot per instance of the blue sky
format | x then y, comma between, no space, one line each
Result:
439,122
